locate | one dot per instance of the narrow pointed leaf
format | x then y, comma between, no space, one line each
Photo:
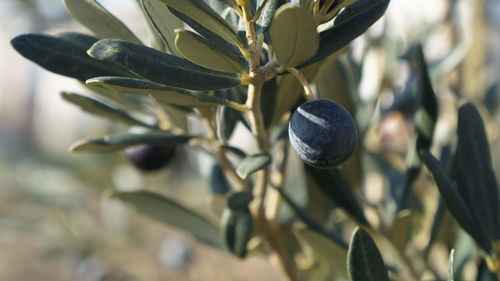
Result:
166,210
338,190
237,223
252,164
266,16
454,201
218,181
162,22
161,67
99,108
206,16
116,142
215,40
425,122
337,37
99,20
475,176
198,50
64,57
293,35
162,94
364,261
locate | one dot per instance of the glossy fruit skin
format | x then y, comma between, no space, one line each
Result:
322,133
148,158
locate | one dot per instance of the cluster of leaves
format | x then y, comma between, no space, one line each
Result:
246,61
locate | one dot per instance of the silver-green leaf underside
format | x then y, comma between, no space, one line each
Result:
199,11
197,50
364,261
252,164
99,20
99,108
160,67
168,211
162,94
293,35
162,22
116,142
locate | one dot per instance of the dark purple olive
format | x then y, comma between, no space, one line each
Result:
148,158
322,133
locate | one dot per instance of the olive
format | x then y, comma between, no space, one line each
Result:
148,158
322,133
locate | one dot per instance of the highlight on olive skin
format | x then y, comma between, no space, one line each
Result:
322,133
149,158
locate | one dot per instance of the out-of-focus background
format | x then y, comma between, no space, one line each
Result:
54,225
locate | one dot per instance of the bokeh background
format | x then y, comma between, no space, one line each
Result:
54,225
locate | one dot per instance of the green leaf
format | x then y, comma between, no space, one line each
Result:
165,210
213,39
163,94
293,35
116,142
364,261
475,175
99,20
268,101
207,17
335,186
162,22
451,266
99,108
161,67
218,181
237,225
198,50
350,24
455,202
425,122
64,57
252,164
266,16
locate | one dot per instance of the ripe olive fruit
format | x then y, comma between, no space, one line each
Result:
322,133
148,158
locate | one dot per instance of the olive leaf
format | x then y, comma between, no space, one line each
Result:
237,223
252,164
451,266
218,181
162,22
64,56
425,122
163,94
364,261
96,107
161,67
207,17
168,211
120,141
353,21
332,183
99,20
455,202
293,35
198,50
266,15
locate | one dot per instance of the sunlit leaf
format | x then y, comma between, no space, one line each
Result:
293,35
162,22
199,11
198,50
99,20
160,67
162,94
